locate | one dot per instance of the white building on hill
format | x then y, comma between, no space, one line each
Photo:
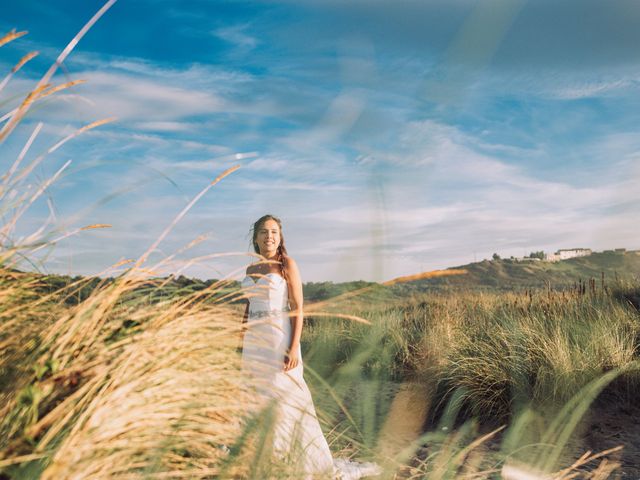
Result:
567,253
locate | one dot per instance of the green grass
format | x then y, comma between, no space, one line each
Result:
501,349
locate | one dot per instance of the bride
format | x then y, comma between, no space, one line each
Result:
272,358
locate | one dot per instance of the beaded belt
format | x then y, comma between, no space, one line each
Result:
266,313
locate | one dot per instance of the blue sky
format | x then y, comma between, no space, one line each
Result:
391,137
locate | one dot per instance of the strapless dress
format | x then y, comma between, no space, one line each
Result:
295,426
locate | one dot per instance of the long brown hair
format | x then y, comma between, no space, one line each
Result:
281,251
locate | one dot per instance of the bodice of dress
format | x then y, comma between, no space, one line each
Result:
268,293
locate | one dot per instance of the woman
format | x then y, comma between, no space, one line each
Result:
271,356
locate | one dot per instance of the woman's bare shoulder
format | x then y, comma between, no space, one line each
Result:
289,262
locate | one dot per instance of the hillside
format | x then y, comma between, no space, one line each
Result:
507,274
495,275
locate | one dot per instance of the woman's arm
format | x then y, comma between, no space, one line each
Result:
242,329
296,315
245,318
246,310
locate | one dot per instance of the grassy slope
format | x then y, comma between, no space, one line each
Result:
510,275
491,275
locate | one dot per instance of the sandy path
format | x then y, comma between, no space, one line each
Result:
610,423
405,420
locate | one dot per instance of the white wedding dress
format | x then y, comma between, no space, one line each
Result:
266,340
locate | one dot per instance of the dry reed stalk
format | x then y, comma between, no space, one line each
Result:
16,68
60,87
123,262
24,60
31,97
184,211
606,469
38,94
11,36
66,235
586,458
80,131
424,275
21,459
223,282
7,229
170,259
96,225
168,377
26,203
6,177
26,104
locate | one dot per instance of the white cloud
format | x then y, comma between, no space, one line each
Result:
236,35
399,217
164,126
135,98
281,186
198,75
153,97
131,138
589,89
269,164
560,84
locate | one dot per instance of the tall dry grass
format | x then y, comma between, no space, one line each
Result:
111,386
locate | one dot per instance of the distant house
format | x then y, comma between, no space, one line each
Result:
566,253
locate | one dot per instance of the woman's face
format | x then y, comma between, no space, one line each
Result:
268,238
